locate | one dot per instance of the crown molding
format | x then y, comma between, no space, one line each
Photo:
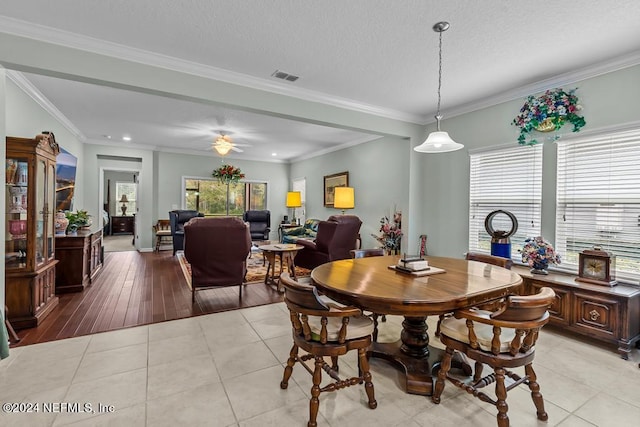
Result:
64,38
27,87
569,78
336,148
177,150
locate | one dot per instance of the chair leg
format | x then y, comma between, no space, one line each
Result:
535,392
366,375
477,374
374,335
334,363
289,368
445,365
501,398
314,403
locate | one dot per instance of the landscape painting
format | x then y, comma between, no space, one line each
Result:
66,164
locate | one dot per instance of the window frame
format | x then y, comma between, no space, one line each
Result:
506,191
247,192
608,214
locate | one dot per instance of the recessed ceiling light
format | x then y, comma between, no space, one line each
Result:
106,136
126,138
274,154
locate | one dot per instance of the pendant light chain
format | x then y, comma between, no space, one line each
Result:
438,116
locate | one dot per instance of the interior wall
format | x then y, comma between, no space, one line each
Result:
608,101
172,167
378,172
25,118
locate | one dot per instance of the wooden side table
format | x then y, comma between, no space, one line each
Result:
287,253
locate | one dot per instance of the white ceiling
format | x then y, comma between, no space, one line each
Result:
369,55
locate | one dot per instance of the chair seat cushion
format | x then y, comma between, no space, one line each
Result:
359,326
457,329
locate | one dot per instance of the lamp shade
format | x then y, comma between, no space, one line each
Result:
344,198
124,199
294,199
438,142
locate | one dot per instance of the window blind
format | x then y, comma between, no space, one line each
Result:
598,200
509,179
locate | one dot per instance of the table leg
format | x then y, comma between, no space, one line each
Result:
271,267
411,354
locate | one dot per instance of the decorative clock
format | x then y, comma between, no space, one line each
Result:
596,266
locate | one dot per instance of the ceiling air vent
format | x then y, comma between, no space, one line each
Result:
284,76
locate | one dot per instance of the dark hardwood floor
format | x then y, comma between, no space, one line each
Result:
136,289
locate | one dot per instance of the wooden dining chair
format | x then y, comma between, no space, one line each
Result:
364,253
162,229
489,259
324,329
502,339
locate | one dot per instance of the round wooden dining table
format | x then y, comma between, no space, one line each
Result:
369,283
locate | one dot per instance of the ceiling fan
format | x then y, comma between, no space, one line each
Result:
223,144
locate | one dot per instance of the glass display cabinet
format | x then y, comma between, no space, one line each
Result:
29,229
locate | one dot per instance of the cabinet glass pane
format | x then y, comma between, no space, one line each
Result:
16,179
49,211
41,169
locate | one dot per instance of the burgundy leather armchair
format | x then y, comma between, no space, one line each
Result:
217,249
336,237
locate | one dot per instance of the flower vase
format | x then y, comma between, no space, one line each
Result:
61,222
227,203
540,267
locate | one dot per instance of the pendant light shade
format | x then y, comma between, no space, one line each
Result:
439,141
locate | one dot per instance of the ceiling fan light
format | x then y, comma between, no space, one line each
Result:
438,142
222,149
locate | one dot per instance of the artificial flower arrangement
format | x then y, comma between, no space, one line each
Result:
227,174
539,253
391,232
548,112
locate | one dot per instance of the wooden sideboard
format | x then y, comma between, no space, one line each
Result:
79,260
609,314
122,225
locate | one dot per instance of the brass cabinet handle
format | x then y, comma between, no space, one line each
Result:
594,315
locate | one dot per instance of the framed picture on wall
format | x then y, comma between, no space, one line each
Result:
331,182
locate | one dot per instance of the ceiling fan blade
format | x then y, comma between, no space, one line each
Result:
236,149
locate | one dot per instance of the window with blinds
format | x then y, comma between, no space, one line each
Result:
508,179
598,200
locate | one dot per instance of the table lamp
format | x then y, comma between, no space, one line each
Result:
344,198
294,200
124,202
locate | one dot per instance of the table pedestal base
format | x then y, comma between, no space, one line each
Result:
414,356
417,371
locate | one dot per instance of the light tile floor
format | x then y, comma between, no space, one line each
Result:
225,369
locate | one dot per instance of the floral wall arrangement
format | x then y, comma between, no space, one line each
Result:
548,112
228,174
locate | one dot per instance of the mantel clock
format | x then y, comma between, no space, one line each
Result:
597,266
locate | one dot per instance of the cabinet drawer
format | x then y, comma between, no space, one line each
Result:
560,310
597,315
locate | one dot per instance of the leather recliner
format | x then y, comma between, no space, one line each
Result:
217,250
259,224
177,220
336,237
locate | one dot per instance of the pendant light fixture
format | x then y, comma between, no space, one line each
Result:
439,141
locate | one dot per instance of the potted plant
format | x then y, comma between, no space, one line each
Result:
77,219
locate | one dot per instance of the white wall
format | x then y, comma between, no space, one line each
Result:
25,118
172,167
378,172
